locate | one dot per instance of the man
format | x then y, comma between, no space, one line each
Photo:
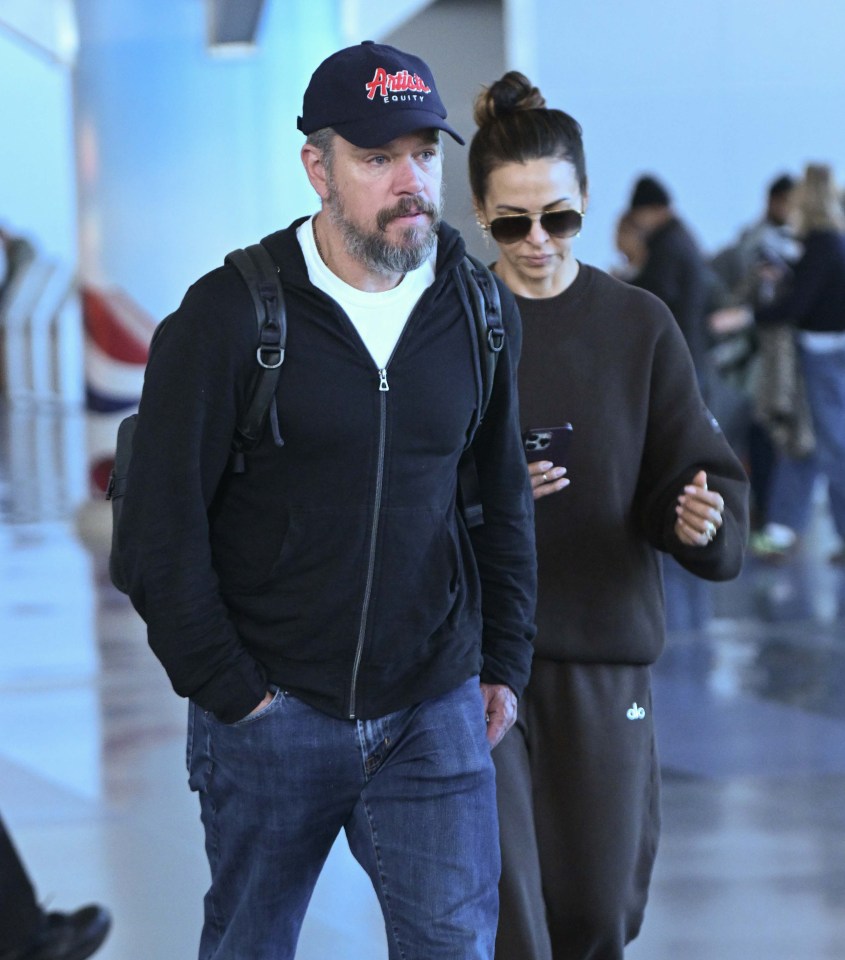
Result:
753,270
341,634
765,252
28,932
674,269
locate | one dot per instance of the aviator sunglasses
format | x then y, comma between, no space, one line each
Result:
556,223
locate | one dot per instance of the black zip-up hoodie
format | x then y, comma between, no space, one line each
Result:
337,566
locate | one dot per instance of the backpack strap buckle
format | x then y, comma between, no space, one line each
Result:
271,358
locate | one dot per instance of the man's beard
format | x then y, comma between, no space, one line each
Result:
373,249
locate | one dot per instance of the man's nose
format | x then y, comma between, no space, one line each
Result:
408,177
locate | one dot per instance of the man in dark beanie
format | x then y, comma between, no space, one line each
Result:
675,269
649,192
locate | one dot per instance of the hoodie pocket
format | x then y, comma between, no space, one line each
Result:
314,590
420,575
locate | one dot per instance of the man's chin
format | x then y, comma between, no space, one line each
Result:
411,235
399,226
394,248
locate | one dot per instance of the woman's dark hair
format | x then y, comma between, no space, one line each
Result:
514,126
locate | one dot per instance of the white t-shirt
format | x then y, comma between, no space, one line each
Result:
378,317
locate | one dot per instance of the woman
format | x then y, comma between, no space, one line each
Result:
814,301
651,471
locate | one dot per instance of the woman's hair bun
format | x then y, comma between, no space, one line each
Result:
512,93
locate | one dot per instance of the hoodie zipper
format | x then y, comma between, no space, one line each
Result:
384,388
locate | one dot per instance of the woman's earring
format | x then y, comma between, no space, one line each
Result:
485,230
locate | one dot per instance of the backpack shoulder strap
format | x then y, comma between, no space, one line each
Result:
487,313
486,309
261,276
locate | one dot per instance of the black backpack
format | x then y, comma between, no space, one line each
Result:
261,276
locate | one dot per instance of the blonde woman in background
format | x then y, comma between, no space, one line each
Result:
814,302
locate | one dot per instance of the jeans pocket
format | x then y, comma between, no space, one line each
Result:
253,717
197,754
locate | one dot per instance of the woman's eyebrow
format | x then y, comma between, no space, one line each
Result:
553,203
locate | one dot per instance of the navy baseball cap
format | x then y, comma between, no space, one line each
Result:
372,93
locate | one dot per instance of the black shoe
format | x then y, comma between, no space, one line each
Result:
69,936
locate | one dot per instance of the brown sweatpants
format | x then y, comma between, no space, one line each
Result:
578,788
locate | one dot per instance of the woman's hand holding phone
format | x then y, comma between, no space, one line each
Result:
545,449
546,478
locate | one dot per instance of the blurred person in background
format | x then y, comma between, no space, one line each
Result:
630,241
673,268
762,362
667,261
652,473
765,251
813,303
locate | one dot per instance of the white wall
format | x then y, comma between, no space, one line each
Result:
184,154
374,19
37,188
49,25
715,98
41,347
462,42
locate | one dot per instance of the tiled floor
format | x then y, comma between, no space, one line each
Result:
751,718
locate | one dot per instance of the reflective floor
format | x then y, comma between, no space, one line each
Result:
750,713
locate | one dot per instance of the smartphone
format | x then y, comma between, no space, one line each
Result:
548,443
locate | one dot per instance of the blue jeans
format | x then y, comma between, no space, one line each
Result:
414,791
791,492
824,379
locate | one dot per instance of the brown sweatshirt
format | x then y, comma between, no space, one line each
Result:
610,359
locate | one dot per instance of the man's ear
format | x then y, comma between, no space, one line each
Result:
312,160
